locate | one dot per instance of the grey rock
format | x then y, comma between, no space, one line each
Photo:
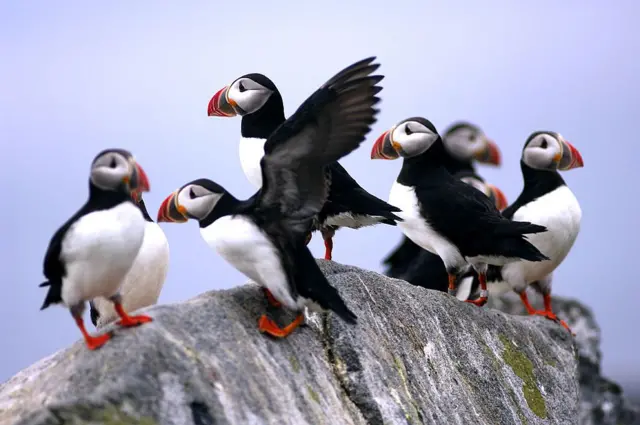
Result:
602,401
415,357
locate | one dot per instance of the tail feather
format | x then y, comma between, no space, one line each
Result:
520,247
517,228
401,257
312,283
54,294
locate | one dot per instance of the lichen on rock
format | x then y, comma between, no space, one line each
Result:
415,357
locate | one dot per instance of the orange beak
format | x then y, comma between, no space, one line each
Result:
383,147
498,196
570,158
170,211
220,105
490,154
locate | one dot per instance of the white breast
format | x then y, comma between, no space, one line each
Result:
251,152
143,283
560,212
247,248
98,250
416,227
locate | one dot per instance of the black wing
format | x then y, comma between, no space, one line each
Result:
471,221
54,268
332,122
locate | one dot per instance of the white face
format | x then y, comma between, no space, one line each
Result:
110,171
412,138
543,152
248,95
198,201
464,142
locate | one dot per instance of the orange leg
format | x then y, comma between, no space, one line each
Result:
271,299
452,285
483,291
328,245
129,321
268,326
547,312
93,342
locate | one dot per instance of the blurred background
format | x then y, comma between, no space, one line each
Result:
77,77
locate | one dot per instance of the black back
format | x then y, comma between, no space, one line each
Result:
54,268
461,213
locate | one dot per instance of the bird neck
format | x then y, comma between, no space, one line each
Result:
226,205
422,168
542,181
100,199
265,120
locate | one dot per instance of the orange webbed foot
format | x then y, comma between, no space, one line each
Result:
479,302
131,321
95,342
268,326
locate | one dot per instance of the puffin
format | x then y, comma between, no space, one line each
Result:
446,216
264,237
258,101
92,252
427,270
143,284
465,143
545,200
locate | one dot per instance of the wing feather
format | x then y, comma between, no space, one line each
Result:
330,124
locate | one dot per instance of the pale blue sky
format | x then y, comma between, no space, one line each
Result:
77,77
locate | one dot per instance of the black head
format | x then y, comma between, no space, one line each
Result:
408,138
467,142
246,95
116,170
548,150
194,200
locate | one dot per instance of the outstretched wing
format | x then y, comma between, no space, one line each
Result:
331,123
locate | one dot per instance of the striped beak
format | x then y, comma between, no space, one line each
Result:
221,106
384,147
489,154
498,197
170,211
569,158
137,178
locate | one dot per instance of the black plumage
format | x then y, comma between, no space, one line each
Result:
331,123
346,196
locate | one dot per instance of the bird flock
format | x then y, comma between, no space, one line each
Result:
460,234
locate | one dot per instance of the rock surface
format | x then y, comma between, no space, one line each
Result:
601,400
415,357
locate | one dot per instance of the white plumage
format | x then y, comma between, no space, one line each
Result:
251,152
560,212
416,228
246,247
98,250
143,283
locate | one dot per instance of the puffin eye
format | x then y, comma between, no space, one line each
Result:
472,137
192,194
544,144
407,130
241,87
113,163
